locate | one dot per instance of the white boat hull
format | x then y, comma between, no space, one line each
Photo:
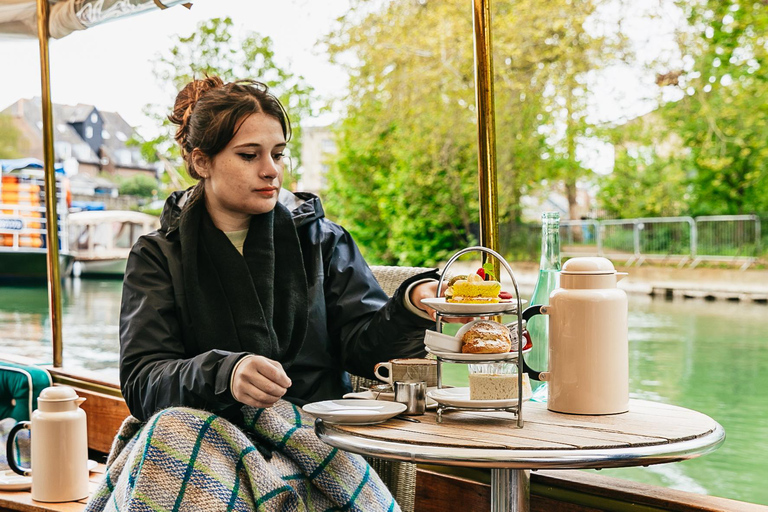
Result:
100,268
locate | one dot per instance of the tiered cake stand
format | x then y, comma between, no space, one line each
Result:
476,311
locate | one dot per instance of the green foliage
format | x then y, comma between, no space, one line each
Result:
140,185
723,118
219,48
12,144
404,182
705,154
644,183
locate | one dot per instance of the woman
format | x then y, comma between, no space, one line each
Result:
247,294
239,298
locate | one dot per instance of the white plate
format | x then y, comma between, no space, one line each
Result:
10,481
441,306
459,397
354,411
387,396
458,356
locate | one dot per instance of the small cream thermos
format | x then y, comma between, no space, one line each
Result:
588,347
59,447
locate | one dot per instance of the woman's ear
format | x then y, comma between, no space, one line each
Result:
202,163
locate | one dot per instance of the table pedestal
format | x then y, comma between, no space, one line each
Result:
510,490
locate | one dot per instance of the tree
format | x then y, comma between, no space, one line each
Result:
649,178
405,179
581,51
216,47
723,117
139,185
404,182
11,142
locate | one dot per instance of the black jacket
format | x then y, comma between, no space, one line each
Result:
352,325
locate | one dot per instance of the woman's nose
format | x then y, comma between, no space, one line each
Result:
270,169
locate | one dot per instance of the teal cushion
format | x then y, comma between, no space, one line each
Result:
19,388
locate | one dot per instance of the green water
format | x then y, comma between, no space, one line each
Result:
708,356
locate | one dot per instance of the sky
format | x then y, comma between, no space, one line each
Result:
110,65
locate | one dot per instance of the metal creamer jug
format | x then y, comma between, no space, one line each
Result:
59,447
588,346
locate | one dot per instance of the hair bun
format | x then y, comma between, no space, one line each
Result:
185,104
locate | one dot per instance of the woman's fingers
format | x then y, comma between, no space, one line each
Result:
259,382
277,374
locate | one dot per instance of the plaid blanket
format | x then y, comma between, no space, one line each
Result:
186,459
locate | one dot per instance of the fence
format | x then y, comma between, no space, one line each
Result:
733,239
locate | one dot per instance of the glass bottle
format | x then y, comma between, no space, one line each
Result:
548,280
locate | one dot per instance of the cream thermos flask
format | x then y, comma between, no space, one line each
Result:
588,349
59,447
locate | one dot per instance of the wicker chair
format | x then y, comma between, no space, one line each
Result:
400,477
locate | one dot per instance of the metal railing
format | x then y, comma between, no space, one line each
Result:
733,239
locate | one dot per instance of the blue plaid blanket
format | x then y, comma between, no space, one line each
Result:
186,459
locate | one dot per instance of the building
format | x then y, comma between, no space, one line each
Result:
317,147
88,141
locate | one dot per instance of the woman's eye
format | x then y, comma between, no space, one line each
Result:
277,157
248,156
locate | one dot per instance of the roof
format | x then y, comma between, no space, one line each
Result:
99,216
115,130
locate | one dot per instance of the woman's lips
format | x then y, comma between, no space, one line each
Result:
267,191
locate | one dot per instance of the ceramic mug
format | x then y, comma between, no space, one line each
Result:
398,370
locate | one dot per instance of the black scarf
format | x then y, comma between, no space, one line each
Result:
257,302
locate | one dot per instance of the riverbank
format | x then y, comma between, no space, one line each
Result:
671,282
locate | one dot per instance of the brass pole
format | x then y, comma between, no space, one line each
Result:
486,127
51,202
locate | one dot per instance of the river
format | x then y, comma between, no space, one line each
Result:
707,356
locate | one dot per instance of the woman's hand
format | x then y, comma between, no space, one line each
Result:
428,290
259,382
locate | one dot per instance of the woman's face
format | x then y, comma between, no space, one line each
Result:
244,179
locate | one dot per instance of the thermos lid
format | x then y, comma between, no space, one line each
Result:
57,394
588,266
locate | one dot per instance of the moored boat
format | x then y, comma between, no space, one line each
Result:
23,237
101,240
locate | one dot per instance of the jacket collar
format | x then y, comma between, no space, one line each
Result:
305,207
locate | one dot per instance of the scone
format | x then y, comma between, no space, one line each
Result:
486,337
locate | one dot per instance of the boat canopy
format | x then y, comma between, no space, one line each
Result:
18,18
16,164
104,216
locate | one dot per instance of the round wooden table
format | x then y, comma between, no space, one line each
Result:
650,433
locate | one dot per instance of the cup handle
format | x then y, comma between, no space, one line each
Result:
388,367
10,452
529,313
